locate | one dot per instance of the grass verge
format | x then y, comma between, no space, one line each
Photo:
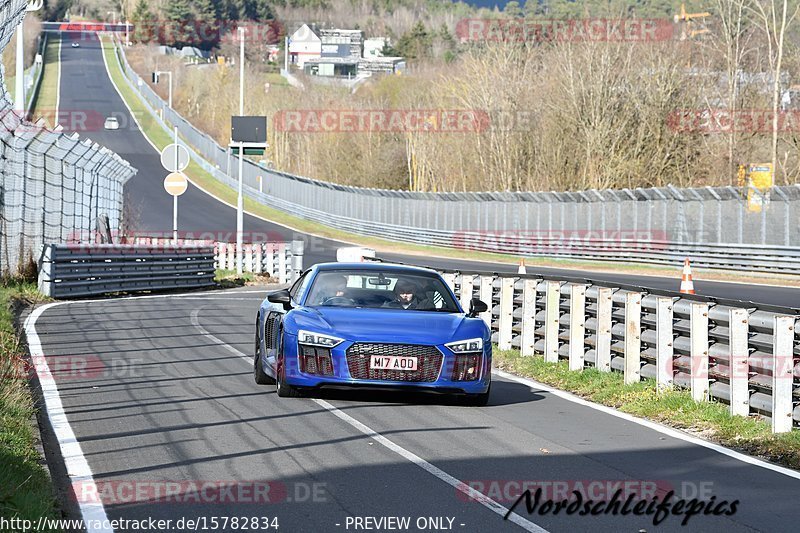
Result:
708,420
26,491
204,180
45,103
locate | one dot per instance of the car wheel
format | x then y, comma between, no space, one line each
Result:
284,389
261,377
478,400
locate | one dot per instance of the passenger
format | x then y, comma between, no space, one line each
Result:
407,296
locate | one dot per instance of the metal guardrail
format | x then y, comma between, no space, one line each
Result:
745,356
155,264
281,260
33,79
75,270
710,225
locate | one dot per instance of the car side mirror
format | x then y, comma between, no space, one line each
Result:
477,307
281,297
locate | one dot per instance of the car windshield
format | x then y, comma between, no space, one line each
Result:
379,289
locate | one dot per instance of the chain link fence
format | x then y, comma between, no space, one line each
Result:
53,186
712,225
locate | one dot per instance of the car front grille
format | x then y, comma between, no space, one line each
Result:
429,362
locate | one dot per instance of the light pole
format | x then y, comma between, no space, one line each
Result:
19,85
158,73
239,199
113,16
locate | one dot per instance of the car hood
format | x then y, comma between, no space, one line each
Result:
388,325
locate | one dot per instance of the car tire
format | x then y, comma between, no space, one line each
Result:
261,377
478,400
284,390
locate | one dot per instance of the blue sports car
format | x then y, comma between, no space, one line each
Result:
372,325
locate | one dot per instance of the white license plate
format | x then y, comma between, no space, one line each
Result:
392,362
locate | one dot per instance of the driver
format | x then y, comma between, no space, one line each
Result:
334,285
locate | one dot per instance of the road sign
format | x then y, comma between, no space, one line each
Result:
176,183
168,157
762,178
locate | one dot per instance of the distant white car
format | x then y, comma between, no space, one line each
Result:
111,123
75,45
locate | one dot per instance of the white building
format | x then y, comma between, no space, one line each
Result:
374,47
304,44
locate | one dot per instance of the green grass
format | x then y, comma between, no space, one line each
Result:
45,103
25,488
709,420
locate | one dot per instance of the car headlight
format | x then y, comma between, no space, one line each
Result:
467,346
317,339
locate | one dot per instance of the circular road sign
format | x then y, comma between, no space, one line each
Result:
168,157
176,183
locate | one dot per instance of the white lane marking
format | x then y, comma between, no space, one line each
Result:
396,448
216,340
78,471
650,425
433,470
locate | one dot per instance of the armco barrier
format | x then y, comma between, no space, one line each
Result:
281,260
154,264
746,356
710,225
73,271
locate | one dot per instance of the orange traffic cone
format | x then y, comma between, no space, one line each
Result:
687,285
521,269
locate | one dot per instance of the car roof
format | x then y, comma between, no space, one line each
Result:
376,266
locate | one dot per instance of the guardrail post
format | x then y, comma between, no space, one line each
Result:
551,313
665,369
282,262
782,373
577,326
699,351
603,333
527,338
633,332
219,255
450,279
45,281
258,262
739,367
506,313
486,297
269,254
466,290
298,250
231,256
248,258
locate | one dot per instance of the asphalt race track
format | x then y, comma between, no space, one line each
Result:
159,393
85,86
165,393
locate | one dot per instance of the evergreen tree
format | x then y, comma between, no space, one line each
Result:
415,43
512,10
143,20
